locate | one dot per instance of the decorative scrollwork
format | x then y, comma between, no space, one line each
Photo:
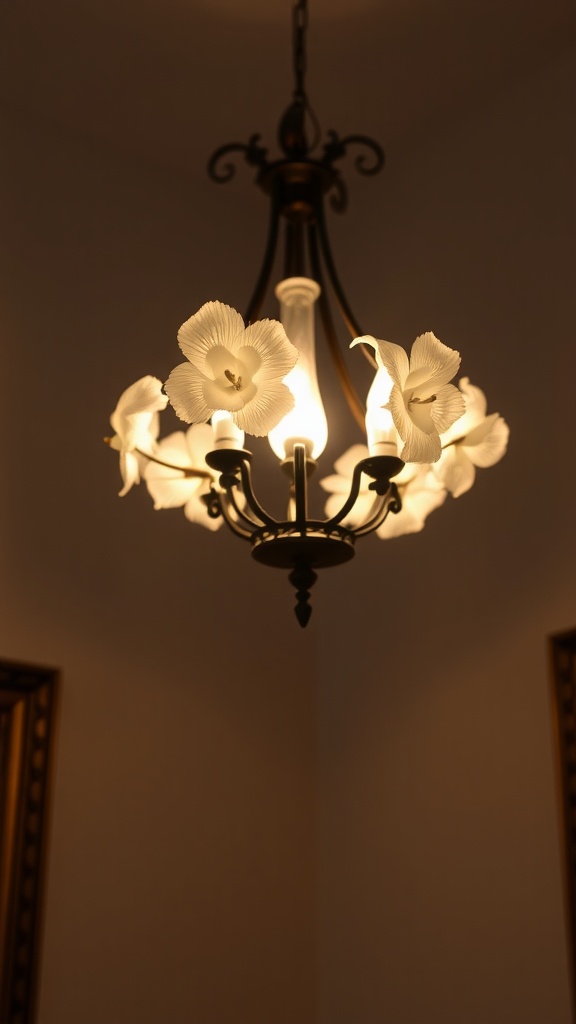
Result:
395,503
336,148
212,502
254,155
338,195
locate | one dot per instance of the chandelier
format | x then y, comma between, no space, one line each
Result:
424,436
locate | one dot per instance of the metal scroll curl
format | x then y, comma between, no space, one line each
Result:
366,164
254,154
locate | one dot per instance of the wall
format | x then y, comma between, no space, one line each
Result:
440,873
202,804
182,863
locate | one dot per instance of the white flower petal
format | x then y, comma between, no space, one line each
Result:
173,449
226,396
277,354
135,418
447,408
394,359
347,462
419,499
232,368
214,324
185,389
199,441
144,395
432,365
129,470
336,484
169,490
366,339
361,509
487,443
400,416
218,360
475,400
420,447
334,502
266,409
455,470
421,415
250,361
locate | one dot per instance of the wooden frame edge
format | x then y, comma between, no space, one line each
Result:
562,656
28,710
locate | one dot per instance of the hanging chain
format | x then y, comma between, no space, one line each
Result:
300,27
300,24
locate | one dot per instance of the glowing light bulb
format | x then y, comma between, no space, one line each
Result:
306,422
226,433
380,430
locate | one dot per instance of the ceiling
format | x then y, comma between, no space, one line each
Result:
169,82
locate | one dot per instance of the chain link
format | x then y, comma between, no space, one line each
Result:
300,25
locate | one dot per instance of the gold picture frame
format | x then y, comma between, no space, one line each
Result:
28,703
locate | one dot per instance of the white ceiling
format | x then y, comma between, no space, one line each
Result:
168,82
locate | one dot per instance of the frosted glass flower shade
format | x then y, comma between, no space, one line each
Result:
306,422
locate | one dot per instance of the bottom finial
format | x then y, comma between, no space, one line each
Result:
303,579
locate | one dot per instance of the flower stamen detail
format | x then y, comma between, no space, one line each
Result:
423,401
235,381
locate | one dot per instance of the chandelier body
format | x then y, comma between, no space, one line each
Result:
299,544
425,437
297,185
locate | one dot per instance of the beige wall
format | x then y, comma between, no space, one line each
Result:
440,874
182,865
348,825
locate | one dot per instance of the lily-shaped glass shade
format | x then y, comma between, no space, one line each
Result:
306,422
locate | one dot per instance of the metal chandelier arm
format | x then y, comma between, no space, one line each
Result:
226,502
355,404
251,500
382,505
263,282
343,305
228,462
351,499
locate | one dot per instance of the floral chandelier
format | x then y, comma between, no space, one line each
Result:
425,437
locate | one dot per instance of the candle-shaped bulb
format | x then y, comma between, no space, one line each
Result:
226,433
306,422
380,429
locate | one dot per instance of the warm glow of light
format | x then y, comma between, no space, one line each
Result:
380,429
307,420
226,433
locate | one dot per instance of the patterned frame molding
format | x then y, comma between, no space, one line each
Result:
28,697
563,678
